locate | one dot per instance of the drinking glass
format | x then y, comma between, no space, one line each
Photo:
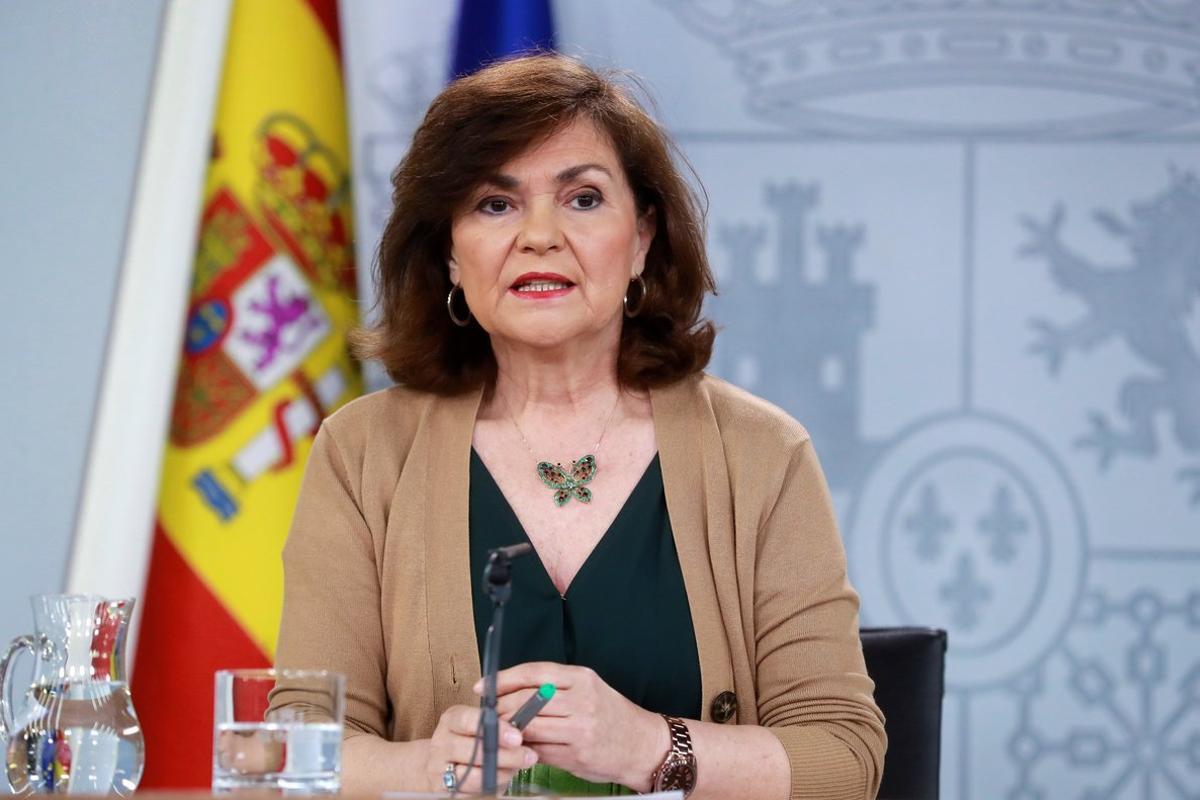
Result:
278,730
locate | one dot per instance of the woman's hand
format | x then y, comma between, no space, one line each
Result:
453,741
587,728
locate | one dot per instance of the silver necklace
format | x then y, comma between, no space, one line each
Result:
573,482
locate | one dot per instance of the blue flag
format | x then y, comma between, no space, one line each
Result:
490,30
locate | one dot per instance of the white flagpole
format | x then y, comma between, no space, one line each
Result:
114,525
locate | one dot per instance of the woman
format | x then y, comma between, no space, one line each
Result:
541,281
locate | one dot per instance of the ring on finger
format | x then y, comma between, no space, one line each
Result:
450,778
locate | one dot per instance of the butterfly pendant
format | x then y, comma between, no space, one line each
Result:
566,485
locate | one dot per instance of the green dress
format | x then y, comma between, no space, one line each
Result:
625,614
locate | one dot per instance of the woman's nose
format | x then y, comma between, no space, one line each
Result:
540,232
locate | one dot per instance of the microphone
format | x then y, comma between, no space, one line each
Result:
513,550
497,573
497,582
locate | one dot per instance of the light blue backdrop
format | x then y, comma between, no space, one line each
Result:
960,241
75,82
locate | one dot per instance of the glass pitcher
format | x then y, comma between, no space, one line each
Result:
76,731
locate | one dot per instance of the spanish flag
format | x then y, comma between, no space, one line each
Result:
264,360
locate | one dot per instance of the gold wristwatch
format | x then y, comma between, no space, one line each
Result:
678,768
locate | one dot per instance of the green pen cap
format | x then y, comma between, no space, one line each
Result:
546,691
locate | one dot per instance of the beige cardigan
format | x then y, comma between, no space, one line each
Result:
377,580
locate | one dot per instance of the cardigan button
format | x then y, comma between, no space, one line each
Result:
724,707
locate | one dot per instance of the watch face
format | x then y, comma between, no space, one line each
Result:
679,775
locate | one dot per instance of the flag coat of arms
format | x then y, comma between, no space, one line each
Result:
264,361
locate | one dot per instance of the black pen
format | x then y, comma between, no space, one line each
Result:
533,705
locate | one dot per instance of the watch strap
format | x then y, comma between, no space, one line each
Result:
681,737
680,752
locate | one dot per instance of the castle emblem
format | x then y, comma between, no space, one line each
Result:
797,298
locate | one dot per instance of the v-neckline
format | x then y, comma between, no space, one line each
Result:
690,454
622,512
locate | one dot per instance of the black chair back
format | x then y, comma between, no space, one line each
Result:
907,665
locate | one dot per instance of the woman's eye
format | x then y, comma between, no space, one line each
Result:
494,205
586,201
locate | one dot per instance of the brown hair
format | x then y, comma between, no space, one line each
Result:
479,123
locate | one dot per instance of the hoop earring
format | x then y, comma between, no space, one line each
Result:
461,322
636,309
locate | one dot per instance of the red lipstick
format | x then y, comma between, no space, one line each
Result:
541,293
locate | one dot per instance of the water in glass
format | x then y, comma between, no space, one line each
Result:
278,731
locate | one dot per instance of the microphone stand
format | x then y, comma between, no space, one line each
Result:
497,582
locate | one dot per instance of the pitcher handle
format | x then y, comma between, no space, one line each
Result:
6,718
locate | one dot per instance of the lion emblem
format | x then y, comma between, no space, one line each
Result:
1149,304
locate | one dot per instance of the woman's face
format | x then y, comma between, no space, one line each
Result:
545,248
